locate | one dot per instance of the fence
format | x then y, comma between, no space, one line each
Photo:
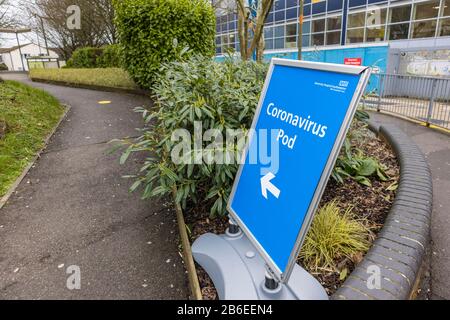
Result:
425,99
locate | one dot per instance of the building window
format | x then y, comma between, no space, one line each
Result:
291,30
333,37
426,10
306,27
279,31
318,25
356,19
355,35
279,4
291,3
279,43
317,39
399,14
268,37
376,16
291,14
334,23
424,29
291,35
374,34
280,16
291,42
357,3
446,9
268,32
269,44
333,5
269,18
398,31
444,27
305,40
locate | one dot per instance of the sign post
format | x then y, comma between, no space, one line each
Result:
303,116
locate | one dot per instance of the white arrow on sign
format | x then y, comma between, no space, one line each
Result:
267,185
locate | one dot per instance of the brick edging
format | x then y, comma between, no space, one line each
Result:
400,248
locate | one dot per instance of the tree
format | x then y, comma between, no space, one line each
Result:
6,20
254,23
96,28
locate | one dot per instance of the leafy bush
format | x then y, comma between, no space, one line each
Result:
111,57
88,57
3,67
152,32
333,235
85,58
219,95
352,163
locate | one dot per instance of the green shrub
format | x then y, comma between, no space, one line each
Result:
219,95
152,32
333,235
85,58
3,67
354,164
111,57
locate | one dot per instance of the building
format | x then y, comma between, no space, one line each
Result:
15,61
394,36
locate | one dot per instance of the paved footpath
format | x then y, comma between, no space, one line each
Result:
436,147
73,208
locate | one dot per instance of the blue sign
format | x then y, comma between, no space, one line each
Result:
302,119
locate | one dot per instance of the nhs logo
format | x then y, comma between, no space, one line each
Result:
343,84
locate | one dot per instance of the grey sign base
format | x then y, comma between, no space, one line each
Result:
238,271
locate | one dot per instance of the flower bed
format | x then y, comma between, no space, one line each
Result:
369,206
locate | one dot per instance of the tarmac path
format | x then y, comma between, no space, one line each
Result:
436,147
74,209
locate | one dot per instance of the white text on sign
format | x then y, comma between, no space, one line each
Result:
304,123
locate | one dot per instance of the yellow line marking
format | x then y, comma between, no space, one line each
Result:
104,102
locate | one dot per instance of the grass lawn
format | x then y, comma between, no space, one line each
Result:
107,77
28,115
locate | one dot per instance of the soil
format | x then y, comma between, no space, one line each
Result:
372,203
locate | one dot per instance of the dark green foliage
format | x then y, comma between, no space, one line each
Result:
3,67
153,32
85,58
88,57
219,95
111,57
352,163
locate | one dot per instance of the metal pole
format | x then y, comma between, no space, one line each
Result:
270,282
45,36
39,43
380,88
300,29
20,52
430,107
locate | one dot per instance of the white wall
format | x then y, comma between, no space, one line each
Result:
12,59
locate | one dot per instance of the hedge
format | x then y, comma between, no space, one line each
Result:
84,58
153,32
90,57
111,57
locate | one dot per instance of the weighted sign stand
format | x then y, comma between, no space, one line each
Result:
240,273
307,107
